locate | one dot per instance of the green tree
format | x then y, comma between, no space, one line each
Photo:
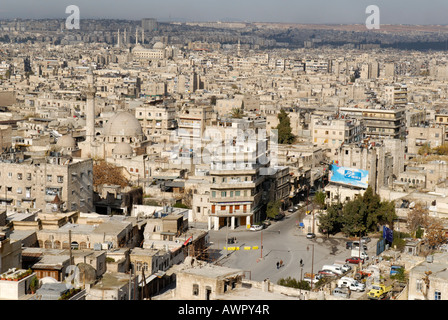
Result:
273,208
330,221
319,199
354,214
237,113
424,149
285,135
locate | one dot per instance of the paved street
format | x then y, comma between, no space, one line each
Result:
283,240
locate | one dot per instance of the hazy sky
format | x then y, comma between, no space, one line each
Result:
297,11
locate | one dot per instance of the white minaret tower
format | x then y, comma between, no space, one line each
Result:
125,38
90,107
118,39
136,36
143,36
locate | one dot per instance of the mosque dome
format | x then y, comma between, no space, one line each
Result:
158,45
123,124
123,149
66,141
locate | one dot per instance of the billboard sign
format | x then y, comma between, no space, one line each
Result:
388,234
350,176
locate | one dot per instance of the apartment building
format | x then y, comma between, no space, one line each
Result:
40,182
156,119
331,132
380,122
432,136
396,95
237,173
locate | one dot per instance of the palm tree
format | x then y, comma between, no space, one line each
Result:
237,113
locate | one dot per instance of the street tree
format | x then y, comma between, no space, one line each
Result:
108,173
435,234
285,135
416,218
330,220
273,208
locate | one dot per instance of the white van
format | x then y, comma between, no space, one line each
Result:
360,253
354,285
333,268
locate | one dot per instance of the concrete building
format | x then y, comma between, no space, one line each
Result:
37,182
332,132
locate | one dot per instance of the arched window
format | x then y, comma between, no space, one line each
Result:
48,244
75,245
57,244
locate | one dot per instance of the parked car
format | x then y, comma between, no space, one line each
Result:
280,216
354,260
256,227
341,292
327,273
266,223
344,267
352,284
365,239
349,244
291,209
296,207
310,235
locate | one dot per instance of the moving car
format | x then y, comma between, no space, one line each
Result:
310,235
354,260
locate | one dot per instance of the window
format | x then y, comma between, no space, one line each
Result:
19,176
223,194
49,178
195,290
213,194
419,285
237,193
437,295
60,179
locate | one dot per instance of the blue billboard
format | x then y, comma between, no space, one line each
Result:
350,176
388,234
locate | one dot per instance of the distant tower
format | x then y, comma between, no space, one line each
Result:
90,107
136,36
143,36
125,38
239,48
118,39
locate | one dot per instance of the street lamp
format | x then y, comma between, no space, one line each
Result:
312,264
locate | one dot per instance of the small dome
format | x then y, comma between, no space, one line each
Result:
66,141
123,148
123,124
158,45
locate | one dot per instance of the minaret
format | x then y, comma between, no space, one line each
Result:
136,36
90,107
143,36
125,39
118,39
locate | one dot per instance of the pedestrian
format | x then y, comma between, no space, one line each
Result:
278,264
281,263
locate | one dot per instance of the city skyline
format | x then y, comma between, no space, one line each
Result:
286,11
